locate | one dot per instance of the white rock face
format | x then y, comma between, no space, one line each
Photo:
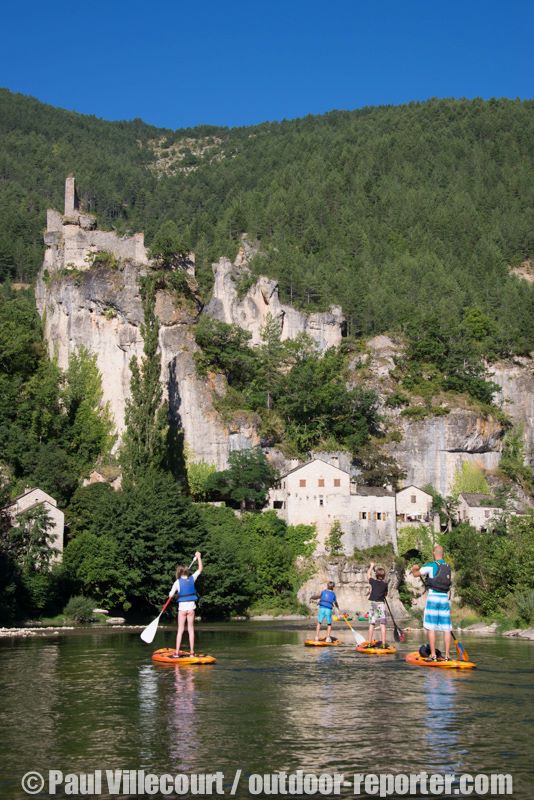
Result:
261,301
101,310
433,449
516,379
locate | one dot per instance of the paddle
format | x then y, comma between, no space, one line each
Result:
460,649
148,634
398,633
358,638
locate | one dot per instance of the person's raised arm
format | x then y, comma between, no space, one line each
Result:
370,570
198,557
416,571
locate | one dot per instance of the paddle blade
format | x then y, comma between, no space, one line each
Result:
462,652
396,634
358,638
147,635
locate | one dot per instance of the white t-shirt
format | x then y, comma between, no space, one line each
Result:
189,605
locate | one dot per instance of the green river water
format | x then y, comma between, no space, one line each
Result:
94,700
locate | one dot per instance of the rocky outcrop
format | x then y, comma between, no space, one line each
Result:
100,310
261,301
516,379
352,587
433,449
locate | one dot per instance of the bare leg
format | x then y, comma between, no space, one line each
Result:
370,633
180,632
191,630
329,631
317,631
432,642
383,632
447,637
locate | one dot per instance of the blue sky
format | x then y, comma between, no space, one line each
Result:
231,62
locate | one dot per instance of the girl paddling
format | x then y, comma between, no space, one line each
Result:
184,587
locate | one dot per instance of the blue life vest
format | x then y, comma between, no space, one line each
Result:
327,599
188,593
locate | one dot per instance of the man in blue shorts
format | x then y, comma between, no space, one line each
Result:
437,577
327,601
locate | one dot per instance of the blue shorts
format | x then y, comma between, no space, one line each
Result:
437,612
325,615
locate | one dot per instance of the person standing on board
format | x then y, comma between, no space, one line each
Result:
327,600
184,587
437,576
377,602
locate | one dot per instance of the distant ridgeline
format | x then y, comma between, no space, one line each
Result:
398,214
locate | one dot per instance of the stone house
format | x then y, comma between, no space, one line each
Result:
36,497
477,509
414,507
319,493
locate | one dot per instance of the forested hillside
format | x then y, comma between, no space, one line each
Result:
400,214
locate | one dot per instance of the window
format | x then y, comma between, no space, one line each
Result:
363,514
378,515
337,481
321,501
413,499
278,504
302,482
320,482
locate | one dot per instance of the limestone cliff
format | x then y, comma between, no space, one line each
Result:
430,450
88,295
262,300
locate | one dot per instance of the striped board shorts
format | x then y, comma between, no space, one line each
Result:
437,615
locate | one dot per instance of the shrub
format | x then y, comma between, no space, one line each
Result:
524,603
334,546
415,539
378,552
397,400
80,609
104,258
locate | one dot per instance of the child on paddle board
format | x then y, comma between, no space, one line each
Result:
184,587
377,598
437,576
327,600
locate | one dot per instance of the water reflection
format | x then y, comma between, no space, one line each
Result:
183,722
441,723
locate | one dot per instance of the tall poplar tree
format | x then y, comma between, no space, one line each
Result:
146,417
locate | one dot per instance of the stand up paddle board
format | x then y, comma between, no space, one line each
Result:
417,661
166,655
322,643
374,649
